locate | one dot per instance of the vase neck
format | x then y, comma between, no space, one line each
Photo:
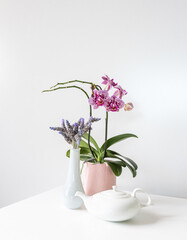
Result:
75,160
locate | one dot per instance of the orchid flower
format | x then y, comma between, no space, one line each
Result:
113,104
120,92
98,99
108,82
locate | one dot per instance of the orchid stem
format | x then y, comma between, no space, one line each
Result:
89,135
79,81
54,89
106,133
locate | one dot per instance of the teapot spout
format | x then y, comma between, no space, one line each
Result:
83,196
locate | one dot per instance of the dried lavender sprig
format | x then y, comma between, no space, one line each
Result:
86,128
77,139
67,138
63,125
93,119
56,129
69,129
75,128
81,123
69,125
73,133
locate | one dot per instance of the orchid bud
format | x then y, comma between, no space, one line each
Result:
128,106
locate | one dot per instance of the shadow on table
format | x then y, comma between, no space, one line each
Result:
145,218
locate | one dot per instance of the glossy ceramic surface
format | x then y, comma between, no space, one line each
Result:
73,182
113,205
98,178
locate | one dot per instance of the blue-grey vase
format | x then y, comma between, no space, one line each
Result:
73,182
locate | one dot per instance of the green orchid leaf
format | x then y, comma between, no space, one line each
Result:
124,163
92,140
128,159
85,145
116,162
68,153
116,139
100,157
89,160
116,168
84,157
83,150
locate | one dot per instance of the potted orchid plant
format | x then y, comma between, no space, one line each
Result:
110,101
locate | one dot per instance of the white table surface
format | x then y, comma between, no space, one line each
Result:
43,217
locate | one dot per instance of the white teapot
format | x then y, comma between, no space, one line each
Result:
114,205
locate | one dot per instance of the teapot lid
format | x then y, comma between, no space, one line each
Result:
114,193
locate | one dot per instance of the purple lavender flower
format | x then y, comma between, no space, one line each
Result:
56,128
82,123
73,133
75,127
93,119
63,124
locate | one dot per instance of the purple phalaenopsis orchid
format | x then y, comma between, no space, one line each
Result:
120,92
98,99
108,82
114,104
73,133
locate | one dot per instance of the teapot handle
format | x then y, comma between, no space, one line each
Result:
148,197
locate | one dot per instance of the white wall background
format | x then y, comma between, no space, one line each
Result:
142,44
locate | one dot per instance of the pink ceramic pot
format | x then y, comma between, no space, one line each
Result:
98,178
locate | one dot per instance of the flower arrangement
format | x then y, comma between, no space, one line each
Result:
89,149
73,133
